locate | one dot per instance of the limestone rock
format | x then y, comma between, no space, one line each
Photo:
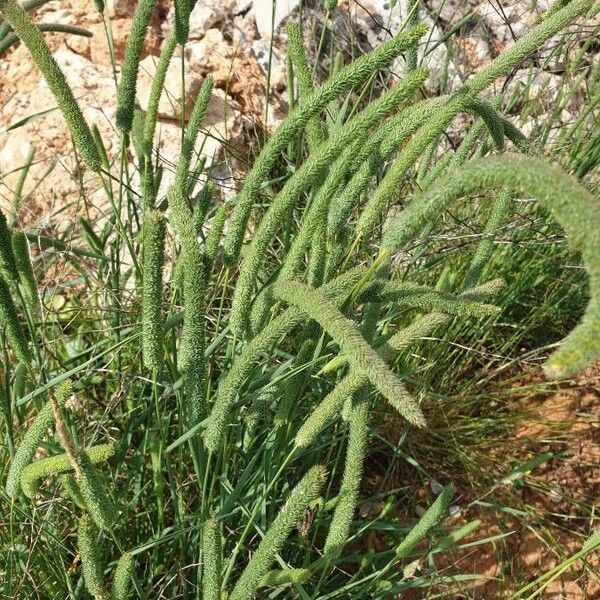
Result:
268,18
204,16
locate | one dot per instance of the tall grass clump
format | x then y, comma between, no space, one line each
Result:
197,409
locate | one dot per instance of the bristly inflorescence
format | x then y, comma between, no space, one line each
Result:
288,517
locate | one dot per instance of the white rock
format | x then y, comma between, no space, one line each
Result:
204,16
270,13
260,51
121,8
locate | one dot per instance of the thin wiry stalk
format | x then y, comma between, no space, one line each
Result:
23,174
12,38
27,6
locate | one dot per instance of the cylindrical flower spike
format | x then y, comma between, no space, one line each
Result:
191,348
95,493
131,62
8,262
288,517
213,239
182,215
10,321
122,581
426,299
156,90
91,559
315,132
435,513
211,560
283,576
353,470
54,465
153,240
360,354
384,143
412,54
182,20
32,439
25,268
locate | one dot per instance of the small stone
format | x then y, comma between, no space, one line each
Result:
436,486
